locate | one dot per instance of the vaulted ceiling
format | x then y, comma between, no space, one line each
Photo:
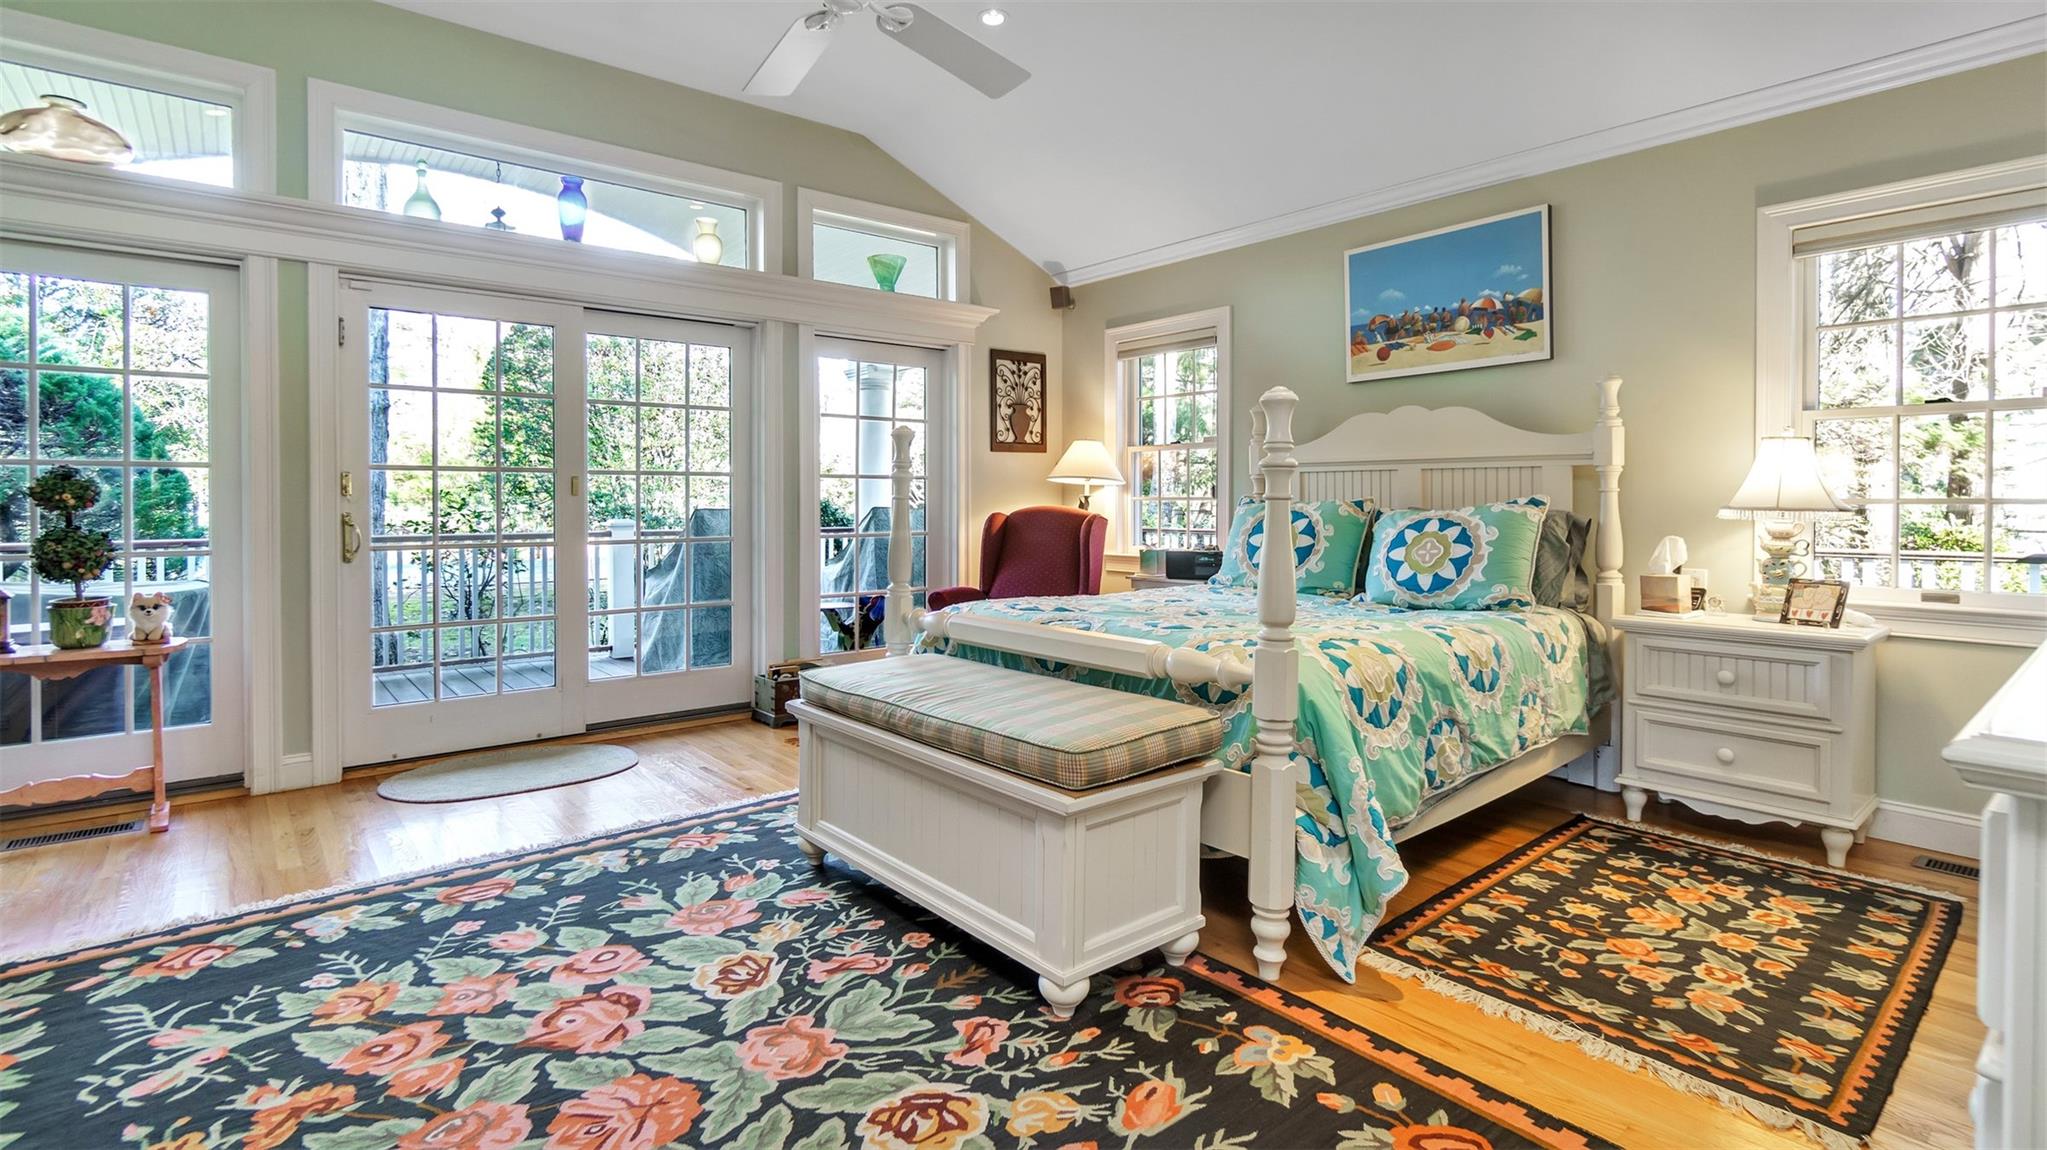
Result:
1150,126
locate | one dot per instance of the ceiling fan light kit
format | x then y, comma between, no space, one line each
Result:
981,67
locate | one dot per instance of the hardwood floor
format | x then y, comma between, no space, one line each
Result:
235,850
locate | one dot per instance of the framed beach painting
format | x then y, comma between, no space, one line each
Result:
1473,295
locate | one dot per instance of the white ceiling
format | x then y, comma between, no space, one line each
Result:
1151,123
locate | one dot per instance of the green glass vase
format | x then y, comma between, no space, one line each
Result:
887,270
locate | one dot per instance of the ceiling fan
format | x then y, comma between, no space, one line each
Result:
987,70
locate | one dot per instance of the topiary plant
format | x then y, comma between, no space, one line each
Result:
69,553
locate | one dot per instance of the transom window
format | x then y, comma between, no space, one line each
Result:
865,257
173,136
879,247
1171,395
1926,388
383,174
384,153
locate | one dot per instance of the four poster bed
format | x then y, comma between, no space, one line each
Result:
1305,786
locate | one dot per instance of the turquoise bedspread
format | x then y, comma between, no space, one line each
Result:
1397,709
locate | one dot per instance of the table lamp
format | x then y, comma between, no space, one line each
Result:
1784,491
1087,463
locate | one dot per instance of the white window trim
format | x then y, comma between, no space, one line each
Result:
1782,315
1116,413
953,238
332,109
249,89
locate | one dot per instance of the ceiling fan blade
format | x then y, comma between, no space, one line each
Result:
792,57
987,70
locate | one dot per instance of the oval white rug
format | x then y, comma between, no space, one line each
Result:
506,771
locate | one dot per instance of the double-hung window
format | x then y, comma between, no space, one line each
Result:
1925,387
1171,383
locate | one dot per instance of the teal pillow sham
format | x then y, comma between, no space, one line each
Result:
1467,559
1329,536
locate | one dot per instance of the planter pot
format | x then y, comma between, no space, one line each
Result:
79,624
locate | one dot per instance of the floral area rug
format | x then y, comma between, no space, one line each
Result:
695,983
1788,989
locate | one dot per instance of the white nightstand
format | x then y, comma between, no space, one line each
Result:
1140,581
1754,721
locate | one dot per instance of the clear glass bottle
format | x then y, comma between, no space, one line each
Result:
422,203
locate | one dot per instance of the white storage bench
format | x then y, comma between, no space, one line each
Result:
1056,822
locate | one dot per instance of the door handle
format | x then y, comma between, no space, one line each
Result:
351,537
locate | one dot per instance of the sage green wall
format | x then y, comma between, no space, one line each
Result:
384,49
1654,278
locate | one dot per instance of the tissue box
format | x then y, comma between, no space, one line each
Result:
1667,594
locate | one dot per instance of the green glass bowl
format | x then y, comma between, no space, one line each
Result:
887,270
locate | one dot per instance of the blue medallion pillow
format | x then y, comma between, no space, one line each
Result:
1329,536
1467,559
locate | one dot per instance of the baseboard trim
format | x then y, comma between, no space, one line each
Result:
1929,827
293,772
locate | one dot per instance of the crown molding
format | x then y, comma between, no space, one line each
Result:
1960,54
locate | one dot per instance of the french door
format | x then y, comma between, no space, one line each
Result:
670,507
863,392
540,527
127,369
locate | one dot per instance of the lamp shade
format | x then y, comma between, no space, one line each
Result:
1783,483
1086,462
61,129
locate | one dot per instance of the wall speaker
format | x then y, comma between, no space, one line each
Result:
1062,297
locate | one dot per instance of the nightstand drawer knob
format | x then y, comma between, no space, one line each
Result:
1724,678
1724,754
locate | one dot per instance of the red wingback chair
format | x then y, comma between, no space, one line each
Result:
1036,551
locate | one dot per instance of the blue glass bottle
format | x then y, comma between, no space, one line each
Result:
574,208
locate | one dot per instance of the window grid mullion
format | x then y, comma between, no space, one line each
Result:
33,398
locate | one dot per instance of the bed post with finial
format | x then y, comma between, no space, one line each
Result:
1275,687
1610,592
898,613
1609,456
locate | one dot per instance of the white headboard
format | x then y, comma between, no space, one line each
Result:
1458,456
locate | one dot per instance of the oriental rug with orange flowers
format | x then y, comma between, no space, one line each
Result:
692,983
1784,988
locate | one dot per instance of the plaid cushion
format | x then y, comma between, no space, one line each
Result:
1052,730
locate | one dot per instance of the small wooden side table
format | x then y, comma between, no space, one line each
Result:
43,661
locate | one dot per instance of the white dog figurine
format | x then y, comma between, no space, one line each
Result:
149,618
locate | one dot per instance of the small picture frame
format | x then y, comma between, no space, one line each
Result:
1814,603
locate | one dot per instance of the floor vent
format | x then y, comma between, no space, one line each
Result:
73,836
1944,866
